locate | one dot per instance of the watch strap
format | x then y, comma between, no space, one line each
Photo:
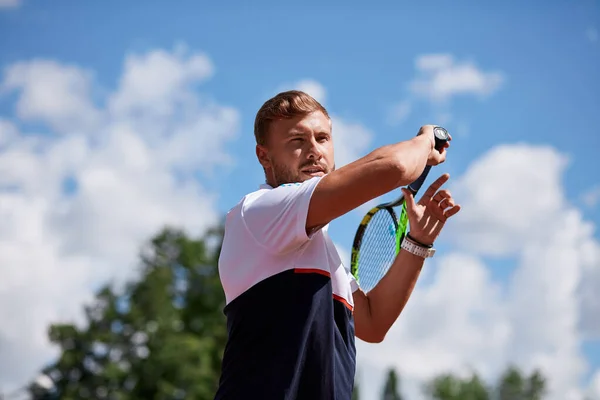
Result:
416,249
415,241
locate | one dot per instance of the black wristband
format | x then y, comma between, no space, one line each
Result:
412,239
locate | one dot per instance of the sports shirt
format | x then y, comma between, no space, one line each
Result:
288,302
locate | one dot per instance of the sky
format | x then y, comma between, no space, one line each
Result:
118,118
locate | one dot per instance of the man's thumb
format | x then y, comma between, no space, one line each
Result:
408,197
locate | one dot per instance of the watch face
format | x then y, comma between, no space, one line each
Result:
440,133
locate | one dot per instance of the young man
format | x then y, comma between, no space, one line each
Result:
292,308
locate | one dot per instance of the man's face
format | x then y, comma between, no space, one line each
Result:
297,149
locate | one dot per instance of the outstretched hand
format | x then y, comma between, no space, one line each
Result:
428,216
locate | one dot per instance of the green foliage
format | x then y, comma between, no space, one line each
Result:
391,389
450,387
356,392
513,385
161,337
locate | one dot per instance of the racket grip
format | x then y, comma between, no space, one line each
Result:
416,185
441,137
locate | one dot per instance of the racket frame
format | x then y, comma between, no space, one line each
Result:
400,224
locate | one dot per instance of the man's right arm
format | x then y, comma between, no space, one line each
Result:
371,176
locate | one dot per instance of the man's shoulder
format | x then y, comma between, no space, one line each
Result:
247,199
270,208
280,192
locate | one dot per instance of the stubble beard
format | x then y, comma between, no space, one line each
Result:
284,174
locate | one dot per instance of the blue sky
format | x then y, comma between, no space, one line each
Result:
520,74
364,56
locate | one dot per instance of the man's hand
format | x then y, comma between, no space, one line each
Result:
428,216
435,157
375,313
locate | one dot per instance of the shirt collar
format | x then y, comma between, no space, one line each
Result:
265,185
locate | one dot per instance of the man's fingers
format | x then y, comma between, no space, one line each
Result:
435,186
441,195
447,202
409,199
452,211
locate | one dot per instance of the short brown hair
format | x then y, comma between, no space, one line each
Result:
289,104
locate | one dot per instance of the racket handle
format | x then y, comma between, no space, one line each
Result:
441,138
416,185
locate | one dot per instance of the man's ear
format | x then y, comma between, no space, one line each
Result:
263,156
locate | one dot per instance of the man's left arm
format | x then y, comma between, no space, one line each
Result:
376,312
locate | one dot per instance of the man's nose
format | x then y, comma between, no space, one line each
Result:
314,149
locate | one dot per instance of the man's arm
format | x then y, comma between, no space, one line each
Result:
375,313
377,173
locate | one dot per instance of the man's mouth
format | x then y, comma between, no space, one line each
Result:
313,170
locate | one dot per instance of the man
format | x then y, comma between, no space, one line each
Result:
293,310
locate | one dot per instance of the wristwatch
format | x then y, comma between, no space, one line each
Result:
417,249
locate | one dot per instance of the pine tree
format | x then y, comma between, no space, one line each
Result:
391,390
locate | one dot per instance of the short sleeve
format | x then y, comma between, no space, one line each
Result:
276,218
354,286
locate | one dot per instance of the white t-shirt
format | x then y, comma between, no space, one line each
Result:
265,234
289,301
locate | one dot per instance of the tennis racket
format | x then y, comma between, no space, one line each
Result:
380,233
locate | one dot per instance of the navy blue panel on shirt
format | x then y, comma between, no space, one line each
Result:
289,339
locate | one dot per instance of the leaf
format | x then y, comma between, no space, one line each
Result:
161,337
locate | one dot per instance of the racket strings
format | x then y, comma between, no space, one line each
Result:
377,249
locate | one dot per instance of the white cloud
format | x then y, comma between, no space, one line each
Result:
10,3
59,95
593,392
441,77
591,197
465,320
434,62
351,140
494,185
589,258
398,112
8,132
159,81
313,88
454,324
134,172
308,86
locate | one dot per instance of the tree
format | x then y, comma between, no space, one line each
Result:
356,392
512,385
391,388
161,337
536,386
515,386
450,387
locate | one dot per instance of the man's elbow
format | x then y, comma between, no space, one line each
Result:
409,158
374,339
372,335
399,168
